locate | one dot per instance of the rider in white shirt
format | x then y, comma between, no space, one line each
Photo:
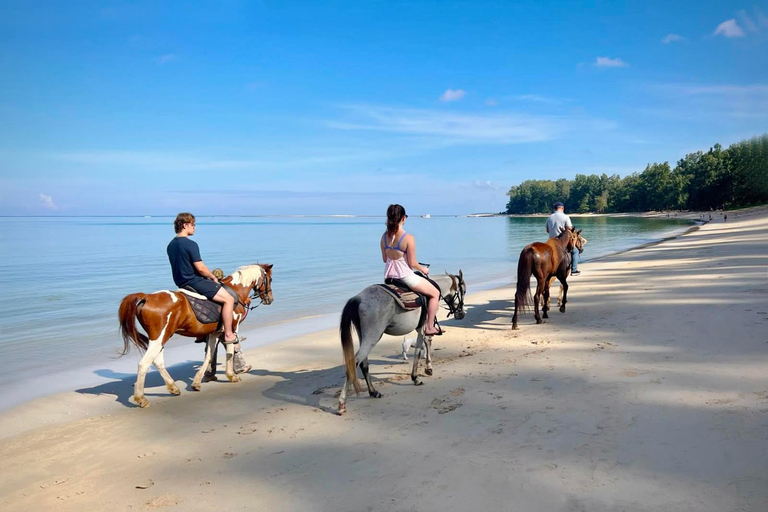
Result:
556,224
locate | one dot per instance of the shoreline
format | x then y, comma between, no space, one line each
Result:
122,371
648,394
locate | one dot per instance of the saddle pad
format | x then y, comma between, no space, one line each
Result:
406,299
192,294
206,311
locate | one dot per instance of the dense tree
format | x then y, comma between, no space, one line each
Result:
720,178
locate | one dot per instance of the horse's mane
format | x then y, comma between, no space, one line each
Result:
247,274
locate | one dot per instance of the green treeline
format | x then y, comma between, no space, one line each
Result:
720,178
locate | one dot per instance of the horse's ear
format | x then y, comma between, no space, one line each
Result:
578,232
461,275
269,267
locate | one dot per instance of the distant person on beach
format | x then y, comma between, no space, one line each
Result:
398,251
556,224
190,271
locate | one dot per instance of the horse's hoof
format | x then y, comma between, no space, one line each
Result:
342,409
417,382
375,394
545,315
562,309
174,390
428,371
539,321
195,387
233,378
515,328
141,401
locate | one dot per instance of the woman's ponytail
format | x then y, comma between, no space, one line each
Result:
395,213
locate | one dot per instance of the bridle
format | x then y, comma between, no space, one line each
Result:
260,291
451,298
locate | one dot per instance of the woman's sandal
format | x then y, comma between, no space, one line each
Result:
438,332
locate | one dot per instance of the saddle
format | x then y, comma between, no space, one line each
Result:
206,311
406,298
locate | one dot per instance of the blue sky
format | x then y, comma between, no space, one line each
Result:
135,108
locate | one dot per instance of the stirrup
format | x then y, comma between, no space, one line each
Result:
237,339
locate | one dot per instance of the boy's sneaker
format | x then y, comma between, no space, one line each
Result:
575,272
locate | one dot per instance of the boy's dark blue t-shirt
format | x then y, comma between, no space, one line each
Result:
182,252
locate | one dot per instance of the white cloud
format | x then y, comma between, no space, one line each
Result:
729,28
732,90
453,95
170,161
491,102
47,202
539,99
607,62
671,38
762,20
486,185
746,21
165,59
453,128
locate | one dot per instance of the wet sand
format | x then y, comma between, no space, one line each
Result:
650,393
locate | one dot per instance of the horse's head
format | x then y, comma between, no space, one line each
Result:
569,237
455,298
257,278
263,286
580,242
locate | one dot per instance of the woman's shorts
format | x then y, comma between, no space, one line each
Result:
412,280
205,287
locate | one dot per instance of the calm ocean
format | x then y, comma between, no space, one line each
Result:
63,277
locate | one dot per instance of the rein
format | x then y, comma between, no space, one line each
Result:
256,295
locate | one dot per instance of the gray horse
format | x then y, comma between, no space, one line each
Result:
375,312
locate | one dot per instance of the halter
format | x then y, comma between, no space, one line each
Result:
259,291
450,299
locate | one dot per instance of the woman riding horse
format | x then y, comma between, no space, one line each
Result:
400,260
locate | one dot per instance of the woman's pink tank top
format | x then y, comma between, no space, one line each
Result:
396,268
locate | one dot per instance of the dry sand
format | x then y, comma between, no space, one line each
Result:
650,393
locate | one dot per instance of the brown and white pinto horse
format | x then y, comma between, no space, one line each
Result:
543,261
165,313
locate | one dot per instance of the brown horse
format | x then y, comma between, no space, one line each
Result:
543,261
165,313
580,243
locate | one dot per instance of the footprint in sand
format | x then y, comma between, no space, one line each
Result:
448,403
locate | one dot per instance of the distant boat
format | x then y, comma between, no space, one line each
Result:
427,216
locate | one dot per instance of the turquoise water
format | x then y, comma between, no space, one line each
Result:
63,277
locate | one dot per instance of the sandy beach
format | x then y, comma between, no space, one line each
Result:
649,394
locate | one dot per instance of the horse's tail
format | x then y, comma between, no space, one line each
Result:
350,315
524,273
129,310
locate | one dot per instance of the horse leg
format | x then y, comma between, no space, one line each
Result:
428,360
536,298
159,363
419,350
560,296
153,349
514,318
210,371
230,371
565,295
545,302
371,390
549,300
210,347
